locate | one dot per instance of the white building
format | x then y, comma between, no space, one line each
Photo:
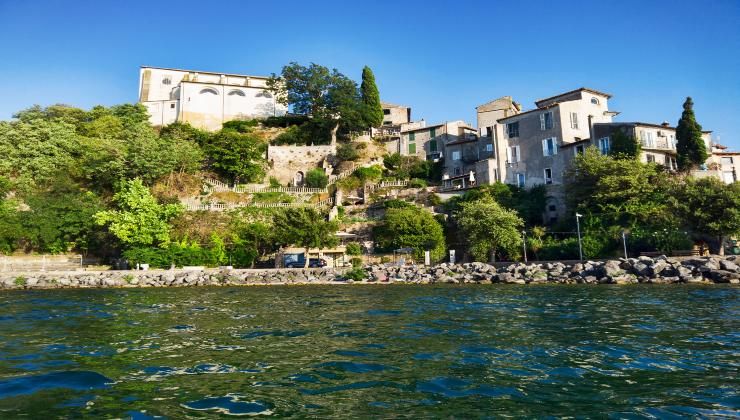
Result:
204,99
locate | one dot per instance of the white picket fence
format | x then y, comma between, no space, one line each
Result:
387,184
214,185
230,206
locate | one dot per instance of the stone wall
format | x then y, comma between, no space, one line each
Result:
705,270
287,161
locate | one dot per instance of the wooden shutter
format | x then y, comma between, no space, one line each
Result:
542,122
554,145
544,148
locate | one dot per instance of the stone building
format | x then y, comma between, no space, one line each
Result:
395,115
429,141
725,163
290,164
204,99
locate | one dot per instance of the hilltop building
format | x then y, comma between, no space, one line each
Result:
204,99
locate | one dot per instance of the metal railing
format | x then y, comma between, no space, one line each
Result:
210,206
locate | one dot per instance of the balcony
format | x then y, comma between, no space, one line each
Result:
657,145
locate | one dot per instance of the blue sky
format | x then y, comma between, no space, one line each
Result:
440,57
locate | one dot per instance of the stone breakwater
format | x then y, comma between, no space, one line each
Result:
623,271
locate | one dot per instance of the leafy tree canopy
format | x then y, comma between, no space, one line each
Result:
489,228
411,227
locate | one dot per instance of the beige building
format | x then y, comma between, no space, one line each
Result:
204,99
429,141
725,163
395,115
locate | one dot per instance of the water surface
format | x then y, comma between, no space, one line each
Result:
397,351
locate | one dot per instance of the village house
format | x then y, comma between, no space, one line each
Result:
429,141
723,164
204,99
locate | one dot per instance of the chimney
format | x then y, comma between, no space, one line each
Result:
665,124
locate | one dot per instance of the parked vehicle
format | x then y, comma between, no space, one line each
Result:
312,263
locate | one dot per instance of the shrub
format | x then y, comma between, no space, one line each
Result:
356,274
284,121
385,259
347,152
274,183
354,248
316,178
20,281
356,262
373,173
417,183
128,278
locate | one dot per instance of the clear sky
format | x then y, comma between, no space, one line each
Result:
440,57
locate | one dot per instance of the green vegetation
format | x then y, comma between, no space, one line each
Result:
690,148
20,281
407,226
489,228
624,146
353,248
304,227
317,178
372,111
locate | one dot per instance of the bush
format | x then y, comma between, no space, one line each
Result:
354,248
274,183
20,281
272,197
417,183
242,126
316,178
347,152
356,274
385,259
373,173
284,121
356,262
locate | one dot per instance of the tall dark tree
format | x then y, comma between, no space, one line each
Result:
690,148
371,109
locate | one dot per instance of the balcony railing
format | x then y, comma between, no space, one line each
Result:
659,145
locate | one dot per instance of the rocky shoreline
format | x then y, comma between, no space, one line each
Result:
662,270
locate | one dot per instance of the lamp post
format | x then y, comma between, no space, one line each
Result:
524,244
578,229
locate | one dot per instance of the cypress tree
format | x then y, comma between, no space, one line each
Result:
690,148
372,110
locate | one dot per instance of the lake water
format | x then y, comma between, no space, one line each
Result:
380,351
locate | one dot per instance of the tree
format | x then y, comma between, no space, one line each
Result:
690,147
316,178
323,94
238,156
489,228
371,109
624,146
139,220
408,226
625,191
708,206
305,227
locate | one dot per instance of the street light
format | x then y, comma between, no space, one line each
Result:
624,242
578,228
524,244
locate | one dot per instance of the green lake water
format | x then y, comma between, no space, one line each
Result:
371,351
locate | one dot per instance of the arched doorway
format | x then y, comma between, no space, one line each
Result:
298,179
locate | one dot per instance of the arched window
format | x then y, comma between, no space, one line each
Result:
264,94
594,100
236,92
209,91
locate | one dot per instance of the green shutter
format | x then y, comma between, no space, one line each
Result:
433,133
433,146
412,136
412,148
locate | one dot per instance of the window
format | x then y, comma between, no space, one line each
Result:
546,120
458,171
672,141
548,176
513,129
412,136
604,145
513,154
433,146
520,180
650,158
574,120
387,122
647,138
549,147
594,100
432,132
456,155
386,112
489,132
236,92
578,150
726,160
167,80
489,147
412,148
172,106
209,91
552,207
